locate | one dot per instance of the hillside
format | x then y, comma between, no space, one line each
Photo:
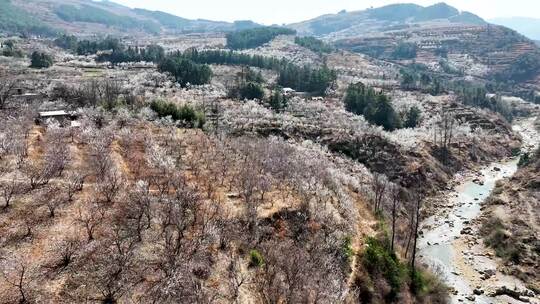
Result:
143,163
510,220
387,18
46,17
439,36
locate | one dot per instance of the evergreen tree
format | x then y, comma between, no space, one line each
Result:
277,101
375,107
251,90
412,118
41,60
186,71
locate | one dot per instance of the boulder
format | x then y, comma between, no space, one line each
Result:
466,230
471,298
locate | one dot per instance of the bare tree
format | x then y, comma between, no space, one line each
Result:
237,278
20,149
444,132
418,206
16,276
38,175
379,183
6,86
90,218
110,186
137,211
9,190
101,160
74,183
53,198
396,199
56,155
65,252
111,91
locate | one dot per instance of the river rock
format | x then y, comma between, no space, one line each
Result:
488,273
466,230
478,181
478,291
520,295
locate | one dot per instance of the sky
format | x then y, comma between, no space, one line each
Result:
289,11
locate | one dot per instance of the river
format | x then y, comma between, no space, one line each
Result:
450,253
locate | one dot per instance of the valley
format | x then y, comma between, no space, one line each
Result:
388,155
452,242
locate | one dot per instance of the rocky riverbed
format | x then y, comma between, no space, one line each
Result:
451,244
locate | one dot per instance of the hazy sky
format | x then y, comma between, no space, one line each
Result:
288,11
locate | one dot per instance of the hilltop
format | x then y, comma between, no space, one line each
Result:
48,17
386,18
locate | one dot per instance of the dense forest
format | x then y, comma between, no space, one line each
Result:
186,71
305,78
314,44
252,38
151,53
88,47
376,107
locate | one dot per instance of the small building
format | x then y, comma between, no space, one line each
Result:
63,117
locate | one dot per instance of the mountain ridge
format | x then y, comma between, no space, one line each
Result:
61,15
376,19
47,17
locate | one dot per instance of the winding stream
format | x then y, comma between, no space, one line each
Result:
442,246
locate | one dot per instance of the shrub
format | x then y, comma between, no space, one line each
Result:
427,287
255,258
183,113
412,118
277,101
524,160
41,60
405,50
347,249
379,260
251,90
496,237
